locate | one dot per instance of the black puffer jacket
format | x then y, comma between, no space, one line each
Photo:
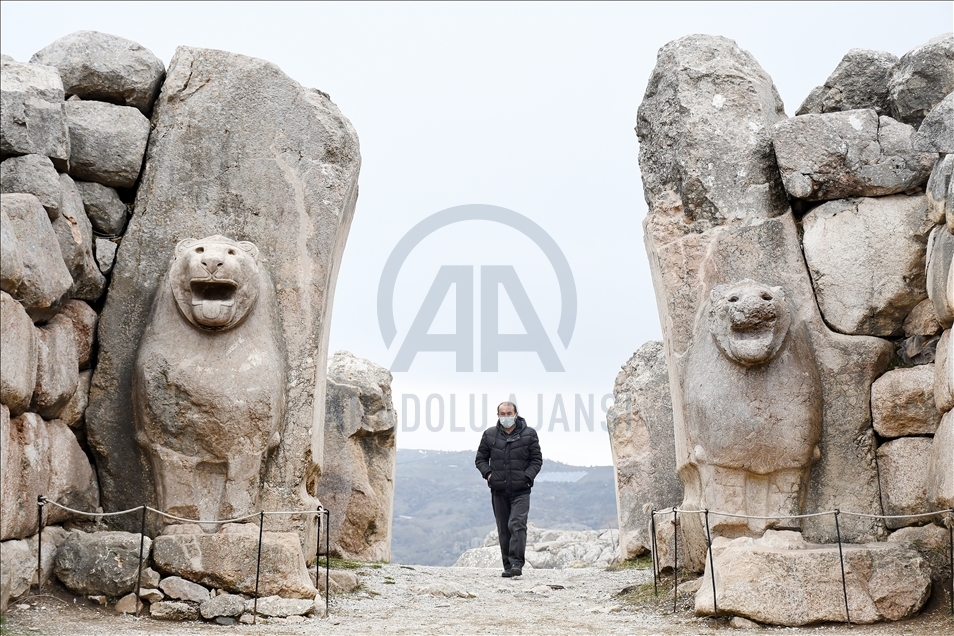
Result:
513,460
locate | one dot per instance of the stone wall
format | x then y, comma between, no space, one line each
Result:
108,164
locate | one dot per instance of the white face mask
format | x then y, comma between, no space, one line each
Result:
507,422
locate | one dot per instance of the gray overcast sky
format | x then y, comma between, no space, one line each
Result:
526,106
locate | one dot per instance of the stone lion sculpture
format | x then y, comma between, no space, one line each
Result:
753,407
209,384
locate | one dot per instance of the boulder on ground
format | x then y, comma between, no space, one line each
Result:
866,257
32,174
276,606
903,470
173,611
45,279
357,480
780,579
921,79
128,604
228,561
18,563
859,81
222,605
101,562
105,210
178,588
107,142
641,439
32,116
57,371
940,466
848,154
41,458
105,67
931,542
902,402
18,355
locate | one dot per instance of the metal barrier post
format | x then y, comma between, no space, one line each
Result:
675,558
40,501
950,554
327,558
652,552
841,558
715,605
142,544
258,565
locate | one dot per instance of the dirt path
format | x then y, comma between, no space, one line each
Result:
422,600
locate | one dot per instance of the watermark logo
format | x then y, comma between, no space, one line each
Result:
492,278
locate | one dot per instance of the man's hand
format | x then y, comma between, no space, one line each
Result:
488,476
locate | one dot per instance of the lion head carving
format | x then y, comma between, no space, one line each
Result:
215,281
749,321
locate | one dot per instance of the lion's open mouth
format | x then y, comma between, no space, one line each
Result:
213,300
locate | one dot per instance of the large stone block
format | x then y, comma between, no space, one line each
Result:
105,67
902,402
641,440
357,479
11,261
782,580
18,561
903,468
932,543
32,174
41,458
84,319
936,132
944,374
287,169
72,414
940,468
75,235
105,210
866,256
228,561
44,279
101,562
859,81
32,115
107,142
922,321
57,371
921,79
705,139
848,154
940,274
17,355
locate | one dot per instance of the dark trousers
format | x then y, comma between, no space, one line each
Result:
511,513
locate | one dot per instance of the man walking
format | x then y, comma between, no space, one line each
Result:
509,458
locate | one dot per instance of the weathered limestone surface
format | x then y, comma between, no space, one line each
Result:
783,580
57,373
859,81
32,114
936,132
173,611
11,261
227,561
903,467
866,256
100,562
940,468
222,605
44,279
84,320
357,480
75,235
641,439
921,79
931,542
286,169
17,356
283,607
18,563
33,174
940,274
105,67
72,413
106,212
940,192
41,458
847,154
178,588
922,321
902,402
944,374
107,142
105,254
208,389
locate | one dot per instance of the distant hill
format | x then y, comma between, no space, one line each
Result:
442,506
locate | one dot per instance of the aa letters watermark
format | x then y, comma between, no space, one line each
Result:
493,279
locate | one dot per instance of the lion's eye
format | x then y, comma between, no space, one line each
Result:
231,252
733,299
766,296
199,250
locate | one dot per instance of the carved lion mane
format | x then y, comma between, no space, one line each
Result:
749,321
215,281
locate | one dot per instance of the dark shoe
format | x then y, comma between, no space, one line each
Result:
516,572
507,573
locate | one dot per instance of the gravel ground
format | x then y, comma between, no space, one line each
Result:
396,599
